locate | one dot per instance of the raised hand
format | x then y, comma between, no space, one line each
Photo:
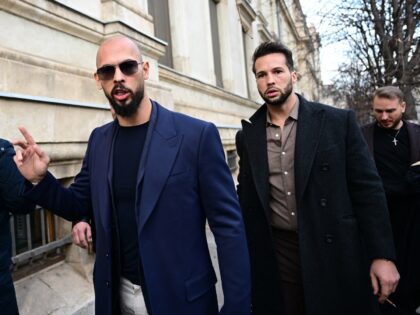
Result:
31,161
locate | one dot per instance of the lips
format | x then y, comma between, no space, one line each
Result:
120,93
271,92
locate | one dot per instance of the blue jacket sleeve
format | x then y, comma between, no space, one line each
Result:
224,216
72,203
11,182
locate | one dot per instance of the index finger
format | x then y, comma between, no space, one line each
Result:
27,135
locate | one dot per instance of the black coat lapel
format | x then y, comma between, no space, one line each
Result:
310,124
255,142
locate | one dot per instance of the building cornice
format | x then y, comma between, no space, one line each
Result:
131,8
66,20
174,77
247,14
262,27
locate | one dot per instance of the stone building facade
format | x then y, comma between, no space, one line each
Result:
200,57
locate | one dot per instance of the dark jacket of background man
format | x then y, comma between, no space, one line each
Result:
10,202
404,208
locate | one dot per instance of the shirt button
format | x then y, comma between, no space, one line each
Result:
286,172
283,153
328,238
292,213
325,167
289,193
277,135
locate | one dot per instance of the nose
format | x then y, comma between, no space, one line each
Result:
270,79
384,116
118,76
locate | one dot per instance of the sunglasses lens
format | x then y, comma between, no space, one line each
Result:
129,67
106,72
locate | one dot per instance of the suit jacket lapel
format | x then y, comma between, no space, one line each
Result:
310,124
107,145
256,145
160,156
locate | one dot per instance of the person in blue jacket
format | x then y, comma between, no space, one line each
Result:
150,180
11,182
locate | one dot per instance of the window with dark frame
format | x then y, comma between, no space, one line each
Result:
248,80
216,42
160,12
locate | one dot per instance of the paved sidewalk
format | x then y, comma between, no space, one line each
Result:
62,290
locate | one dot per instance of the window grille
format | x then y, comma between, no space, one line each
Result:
34,236
232,160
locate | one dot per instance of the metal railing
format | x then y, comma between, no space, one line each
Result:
34,236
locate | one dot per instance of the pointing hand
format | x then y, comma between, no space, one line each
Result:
31,161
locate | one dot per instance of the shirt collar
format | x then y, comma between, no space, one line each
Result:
292,115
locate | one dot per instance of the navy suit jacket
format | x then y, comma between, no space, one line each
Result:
185,180
11,182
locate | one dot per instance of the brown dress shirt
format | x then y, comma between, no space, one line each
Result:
281,155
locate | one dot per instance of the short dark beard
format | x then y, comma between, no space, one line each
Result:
278,102
393,126
131,108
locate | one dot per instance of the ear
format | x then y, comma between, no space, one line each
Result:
403,105
145,68
294,76
98,82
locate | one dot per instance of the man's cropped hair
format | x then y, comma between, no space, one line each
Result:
272,47
389,92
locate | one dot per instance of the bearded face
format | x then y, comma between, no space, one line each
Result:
276,96
124,101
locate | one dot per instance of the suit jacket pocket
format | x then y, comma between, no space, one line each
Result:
199,285
177,175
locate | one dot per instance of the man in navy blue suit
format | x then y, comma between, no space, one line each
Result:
150,180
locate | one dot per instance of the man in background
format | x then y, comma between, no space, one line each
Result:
11,181
395,145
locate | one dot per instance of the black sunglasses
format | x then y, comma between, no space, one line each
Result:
128,67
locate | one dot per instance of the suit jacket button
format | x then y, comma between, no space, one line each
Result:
323,202
107,284
325,167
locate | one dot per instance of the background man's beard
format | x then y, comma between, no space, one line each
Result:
129,109
394,124
281,99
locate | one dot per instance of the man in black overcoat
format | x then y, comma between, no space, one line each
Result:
395,145
315,211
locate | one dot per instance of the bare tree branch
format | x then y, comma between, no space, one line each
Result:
383,36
